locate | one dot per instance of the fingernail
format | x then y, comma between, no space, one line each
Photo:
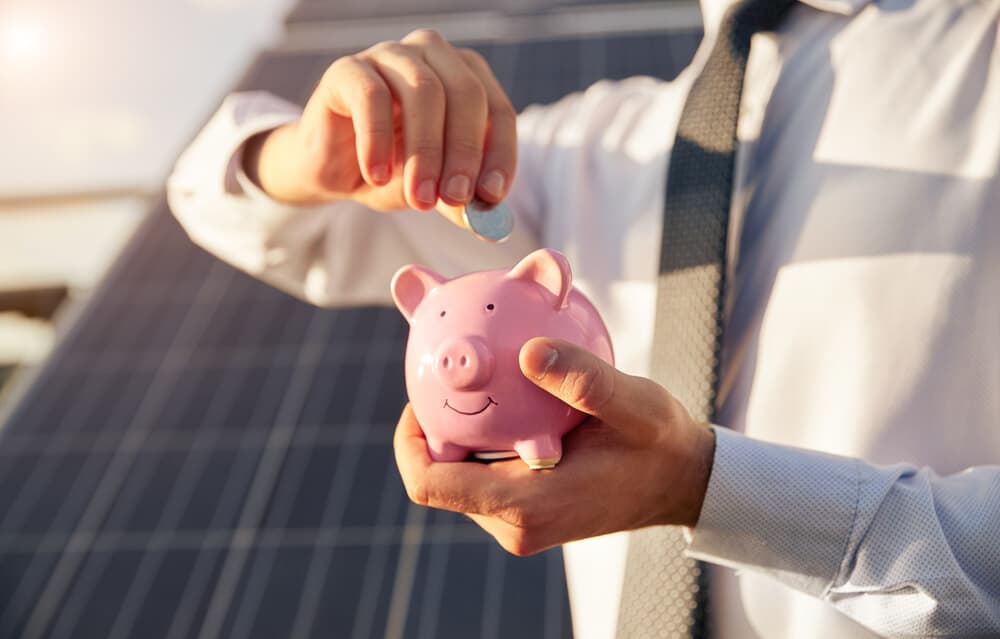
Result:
493,183
550,359
380,174
427,192
457,188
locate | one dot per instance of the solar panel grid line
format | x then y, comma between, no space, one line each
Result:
432,596
37,481
181,494
264,478
346,470
372,583
85,582
287,487
96,508
493,584
59,444
95,566
201,578
195,357
414,534
102,541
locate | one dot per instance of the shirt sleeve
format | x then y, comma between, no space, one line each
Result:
334,254
343,253
899,549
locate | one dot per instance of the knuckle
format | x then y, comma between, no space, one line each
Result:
338,69
386,47
425,36
467,88
464,150
371,92
427,150
417,492
589,389
520,543
425,83
473,58
502,112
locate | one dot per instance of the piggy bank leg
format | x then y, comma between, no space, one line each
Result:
446,452
544,452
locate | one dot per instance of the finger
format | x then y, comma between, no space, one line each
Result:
353,89
454,213
592,386
500,151
457,486
465,116
420,94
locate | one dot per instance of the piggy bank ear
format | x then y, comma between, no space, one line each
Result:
548,268
410,285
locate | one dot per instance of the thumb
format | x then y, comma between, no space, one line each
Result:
579,378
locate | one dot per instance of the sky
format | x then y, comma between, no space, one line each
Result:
103,94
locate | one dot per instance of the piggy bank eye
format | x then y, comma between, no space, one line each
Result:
443,313
490,307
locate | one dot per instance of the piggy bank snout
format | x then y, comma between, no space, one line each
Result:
464,363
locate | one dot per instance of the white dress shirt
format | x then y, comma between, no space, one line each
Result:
862,318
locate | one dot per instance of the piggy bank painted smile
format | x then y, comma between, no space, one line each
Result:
462,372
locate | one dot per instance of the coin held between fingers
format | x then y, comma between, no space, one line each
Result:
490,222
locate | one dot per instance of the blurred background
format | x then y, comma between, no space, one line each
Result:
185,452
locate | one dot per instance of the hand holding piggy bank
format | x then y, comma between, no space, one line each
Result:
462,372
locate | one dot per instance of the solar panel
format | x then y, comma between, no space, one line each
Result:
205,456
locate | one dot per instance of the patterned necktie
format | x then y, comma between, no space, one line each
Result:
665,593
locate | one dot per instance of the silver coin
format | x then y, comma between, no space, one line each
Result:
490,222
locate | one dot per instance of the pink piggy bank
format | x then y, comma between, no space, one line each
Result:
462,372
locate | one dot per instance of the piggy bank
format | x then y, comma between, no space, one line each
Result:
462,372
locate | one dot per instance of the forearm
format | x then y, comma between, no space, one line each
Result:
900,550
331,254
268,161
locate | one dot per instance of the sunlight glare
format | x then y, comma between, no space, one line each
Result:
21,40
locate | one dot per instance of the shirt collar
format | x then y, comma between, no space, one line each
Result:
712,10
843,7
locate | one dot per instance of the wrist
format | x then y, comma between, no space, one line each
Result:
688,465
702,460
269,162
251,157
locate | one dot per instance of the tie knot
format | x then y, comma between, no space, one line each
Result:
746,17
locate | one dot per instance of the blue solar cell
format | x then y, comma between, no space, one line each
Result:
92,606
220,489
151,614
268,597
461,611
52,496
338,596
22,577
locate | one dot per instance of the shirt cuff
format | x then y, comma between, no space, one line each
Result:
272,113
779,510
